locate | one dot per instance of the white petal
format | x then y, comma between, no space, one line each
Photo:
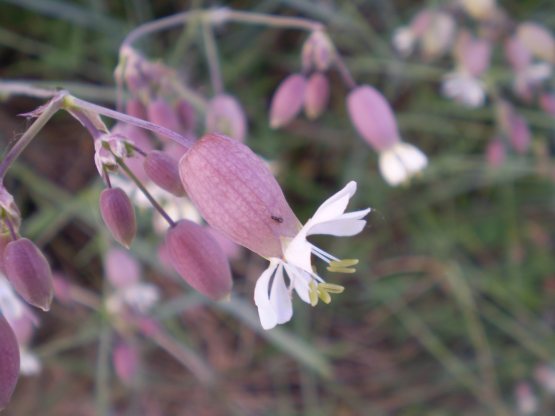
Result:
298,252
300,280
392,169
29,363
335,205
10,305
346,225
413,158
268,318
280,298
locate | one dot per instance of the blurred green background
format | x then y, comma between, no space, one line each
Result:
453,303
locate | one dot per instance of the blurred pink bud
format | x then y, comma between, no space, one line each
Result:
526,400
24,327
135,108
9,362
126,362
198,258
438,36
538,40
287,101
547,103
545,376
62,289
317,94
479,9
29,273
495,153
162,170
121,268
148,326
118,215
318,52
230,249
161,113
517,54
187,115
373,117
520,134
226,116
472,54
237,194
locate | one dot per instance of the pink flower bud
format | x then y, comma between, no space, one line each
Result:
135,108
118,215
162,170
287,100
62,289
318,52
225,115
438,36
161,113
547,103
139,138
520,134
495,153
237,194
9,362
126,362
479,9
29,273
121,268
517,54
373,117
538,40
472,54
317,94
24,328
198,259
187,115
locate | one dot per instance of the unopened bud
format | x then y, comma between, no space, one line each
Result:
161,113
118,215
520,134
126,362
226,116
438,36
237,194
318,52
547,103
287,100
135,108
316,96
495,153
538,40
121,268
29,273
187,115
373,117
479,9
161,168
517,54
9,362
198,258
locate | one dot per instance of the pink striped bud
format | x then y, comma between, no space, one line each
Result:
317,94
373,117
198,259
9,362
187,115
237,194
495,153
520,134
318,52
121,268
126,362
517,54
118,215
225,115
287,101
161,168
538,40
29,273
161,113
134,107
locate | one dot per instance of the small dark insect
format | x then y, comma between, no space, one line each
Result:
277,219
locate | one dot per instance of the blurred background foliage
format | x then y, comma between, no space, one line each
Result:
453,303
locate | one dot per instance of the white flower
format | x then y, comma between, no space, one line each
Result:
272,293
464,88
400,162
106,149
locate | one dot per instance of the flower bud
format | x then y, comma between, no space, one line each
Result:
135,108
9,362
187,115
373,117
121,268
520,134
287,100
547,103
118,215
318,52
161,168
29,273
126,362
438,36
495,153
197,257
479,9
237,194
5,239
161,113
474,56
225,115
517,54
538,40
316,96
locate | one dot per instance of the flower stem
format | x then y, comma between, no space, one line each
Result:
46,113
145,192
344,72
212,58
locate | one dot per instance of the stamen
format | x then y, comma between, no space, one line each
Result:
346,262
313,293
327,257
325,296
343,266
331,288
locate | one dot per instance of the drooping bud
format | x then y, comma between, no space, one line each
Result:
161,168
479,9
126,362
161,113
187,115
134,107
473,55
9,362
517,54
237,194
373,117
495,153
29,273
287,100
121,268
316,96
520,134
318,52
118,215
538,40
226,116
547,103
438,36
197,257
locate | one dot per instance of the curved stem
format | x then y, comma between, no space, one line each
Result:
212,58
267,20
45,113
344,72
145,192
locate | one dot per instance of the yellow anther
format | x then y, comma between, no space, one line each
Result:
325,296
343,263
331,288
341,269
313,293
